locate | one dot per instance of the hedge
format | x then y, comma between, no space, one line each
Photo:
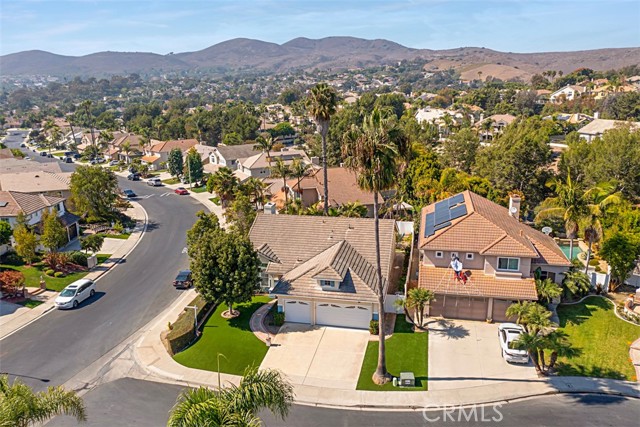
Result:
182,332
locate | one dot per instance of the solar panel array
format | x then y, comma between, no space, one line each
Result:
443,213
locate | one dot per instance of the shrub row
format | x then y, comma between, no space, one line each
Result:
182,331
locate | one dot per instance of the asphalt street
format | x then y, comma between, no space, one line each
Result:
129,402
60,344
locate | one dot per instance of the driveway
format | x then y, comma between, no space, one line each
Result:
467,354
318,356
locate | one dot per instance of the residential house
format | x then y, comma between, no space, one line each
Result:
115,151
38,182
437,116
322,269
5,153
159,151
11,166
231,156
498,123
259,165
598,127
205,152
497,257
12,203
567,93
343,189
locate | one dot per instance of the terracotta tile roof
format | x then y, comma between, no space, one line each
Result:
260,160
308,248
342,185
5,153
150,159
165,146
15,202
489,229
441,281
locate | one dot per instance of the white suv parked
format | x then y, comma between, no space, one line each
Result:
75,293
154,182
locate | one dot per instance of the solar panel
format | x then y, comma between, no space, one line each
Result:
458,211
429,225
458,198
441,226
442,216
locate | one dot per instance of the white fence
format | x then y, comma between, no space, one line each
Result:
390,303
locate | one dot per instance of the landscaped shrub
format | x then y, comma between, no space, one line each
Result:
49,272
374,327
594,262
58,274
79,258
278,319
182,332
12,258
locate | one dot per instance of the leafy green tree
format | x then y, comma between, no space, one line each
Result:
371,153
240,214
224,264
26,241
224,183
459,150
193,169
322,104
418,299
93,192
234,405
21,407
5,232
175,163
621,252
205,224
92,242
54,235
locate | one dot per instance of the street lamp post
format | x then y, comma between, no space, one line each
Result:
195,317
218,357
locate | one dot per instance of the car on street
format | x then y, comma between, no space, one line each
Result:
154,182
43,153
181,191
75,293
129,194
183,280
23,145
27,158
76,156
68,159
113,163
133,177
507,334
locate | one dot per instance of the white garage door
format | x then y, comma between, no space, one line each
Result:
344,315
297,311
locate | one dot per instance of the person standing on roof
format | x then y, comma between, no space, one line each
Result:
456,265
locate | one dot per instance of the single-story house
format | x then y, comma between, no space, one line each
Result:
322,269
478,258
598,127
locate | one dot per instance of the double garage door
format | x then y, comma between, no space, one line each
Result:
327,314
459,307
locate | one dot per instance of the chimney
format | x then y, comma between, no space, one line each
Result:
270,208
315,160
514,206
596,115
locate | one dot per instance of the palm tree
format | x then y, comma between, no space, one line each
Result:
55,136
547,290
21,407
224,183
576,282
418,298
299,170
265,143
519,310
321,105
560,346
236,405
126,148
86,106
282,170
370,152
256,190
537,319
568,204
600,199
531,343
353,210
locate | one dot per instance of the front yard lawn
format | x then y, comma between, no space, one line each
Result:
406,352
602,338
171,181
201,189
30,303
231,337
122,236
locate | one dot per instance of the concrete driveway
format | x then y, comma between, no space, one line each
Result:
467,354
318,356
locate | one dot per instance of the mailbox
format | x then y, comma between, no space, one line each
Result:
407,379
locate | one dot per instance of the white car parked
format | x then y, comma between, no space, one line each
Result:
508,333
154,182
75,293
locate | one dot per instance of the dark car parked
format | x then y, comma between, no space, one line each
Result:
183,280
133,177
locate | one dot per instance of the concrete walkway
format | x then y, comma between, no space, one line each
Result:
256,322
14,320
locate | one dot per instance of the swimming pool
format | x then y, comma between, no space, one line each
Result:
576,249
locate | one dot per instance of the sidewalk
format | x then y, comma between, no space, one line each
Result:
153,359
13,319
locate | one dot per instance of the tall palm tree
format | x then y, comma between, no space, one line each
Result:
321,105
418,298
299,170
560,346
519,310
600,199
86,106
371,153
21,407
568,204
537,320
265,143
236,405
282,170
531,343
55,136
224,183
126,148
256,190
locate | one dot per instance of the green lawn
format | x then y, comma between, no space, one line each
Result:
171,181
30,303
32,274
231,337
123,236
602,338
199,189
406,352
215,200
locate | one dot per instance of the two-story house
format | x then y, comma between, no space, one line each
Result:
322,269
598,127
567,93
231,156
159,151
259,165
478,258
38,182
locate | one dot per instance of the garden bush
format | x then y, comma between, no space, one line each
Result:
374,327
593,262
278,319
58,274
79,258
182,332
12,258
49,272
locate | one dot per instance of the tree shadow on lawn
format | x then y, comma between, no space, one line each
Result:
246,311
579,313
565,369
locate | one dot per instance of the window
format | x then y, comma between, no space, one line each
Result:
328,284
509,264
439,254
469,255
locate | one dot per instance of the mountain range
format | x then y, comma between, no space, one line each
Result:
302,53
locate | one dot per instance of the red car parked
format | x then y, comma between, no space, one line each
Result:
181,191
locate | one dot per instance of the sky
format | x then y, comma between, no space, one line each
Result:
80,27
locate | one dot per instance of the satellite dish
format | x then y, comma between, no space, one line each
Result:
513,209
547,230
